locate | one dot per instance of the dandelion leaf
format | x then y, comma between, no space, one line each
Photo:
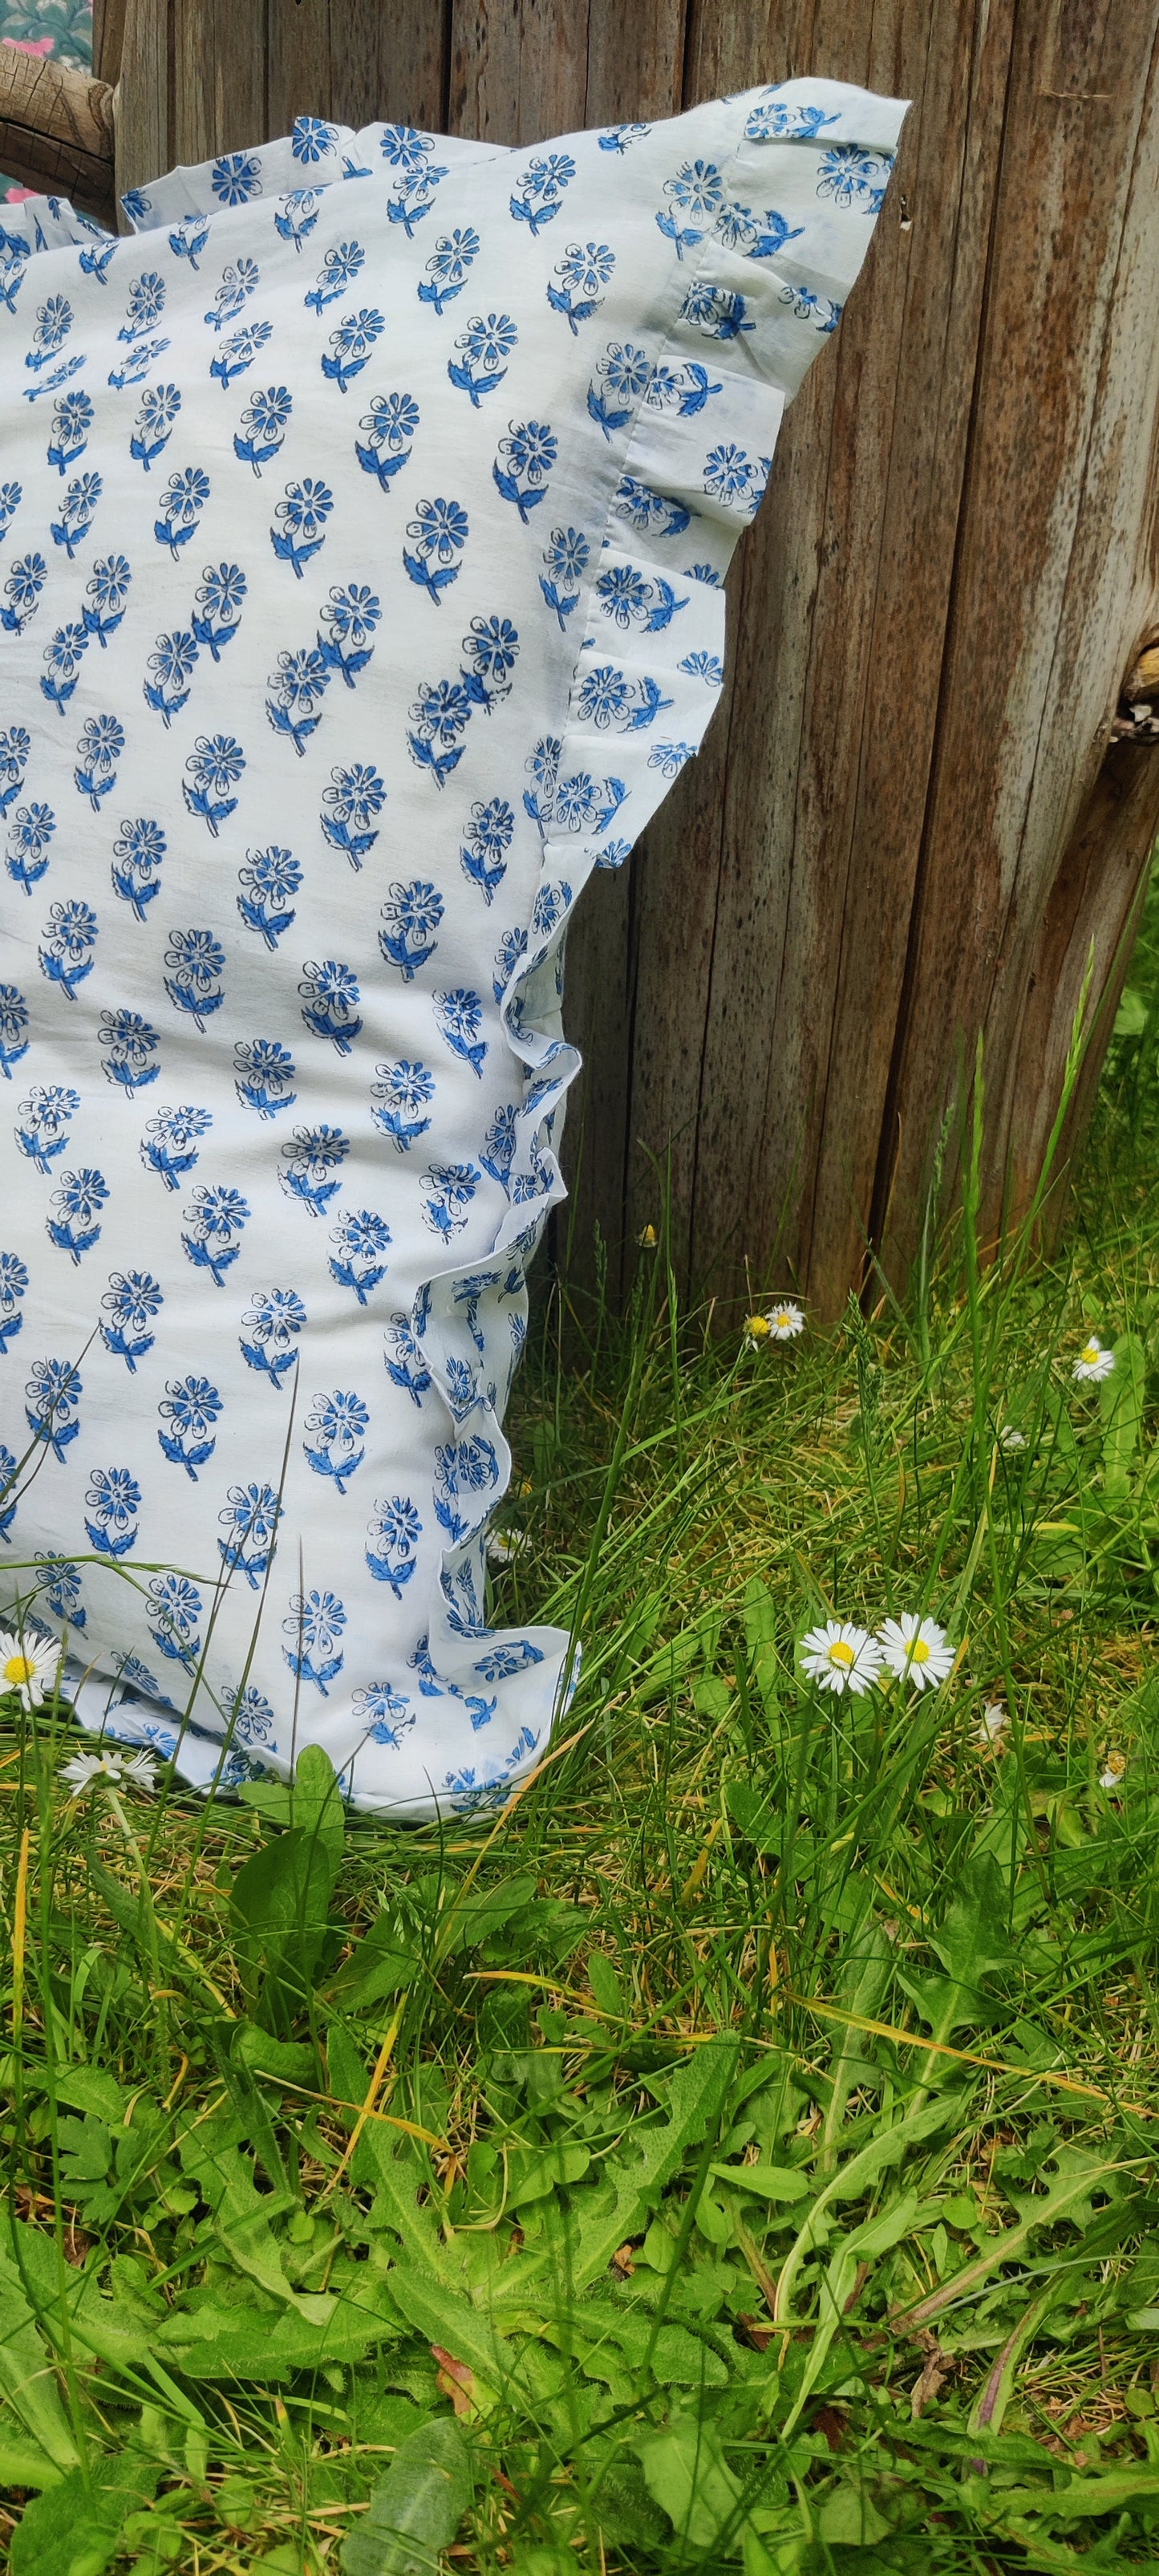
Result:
415,2509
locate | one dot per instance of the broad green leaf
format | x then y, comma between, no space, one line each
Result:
694,2099
1067,2196
22,2464
1116,2492
27,2371
312,1802
688,2476
770,2182
396,2174
607,1991
66,2532
887,2147
676,2357
1131,1016
416,2508
290,2059
446,2315
281,1902
534,2172
242,2213
235,2343
1122,1397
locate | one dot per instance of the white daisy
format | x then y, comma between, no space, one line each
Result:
26,1665
1093,1362
1111,1776
1011,1438
841,1657
785,1321
993,1723
121,1770
916,1650
503,1546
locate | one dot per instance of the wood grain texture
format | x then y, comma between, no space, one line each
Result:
905,826
108,38
56,130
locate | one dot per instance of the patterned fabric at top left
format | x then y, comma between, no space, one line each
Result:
362,529
62,28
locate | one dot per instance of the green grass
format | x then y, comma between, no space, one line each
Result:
760,2168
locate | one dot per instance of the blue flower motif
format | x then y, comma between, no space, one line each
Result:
44,1122
632,598
315,1624
8,1475
169,1144
215,1219
114,1500
441,530
391,1540
171,665
448,1189
718,311
188,239
297,215
352,344
695,197
26,580
405,1365
237,285
216,763
54,320
566,555
175,1605
441,711
500,1662
186,494
72,419
219,601
412,915
360,1239
330,997
773,118
131,1301
336,1430
252,1719
754,236
811,307
404,148
447,268
851,176
77,512
145,305
488,838
530,450
355,797
625,371
191,1406
616,138
63,659
198,962
312,138
300,679
339,267
385,1714
466,1467
139,852
263,1072
53,1393
138,359
309,1159
13,1286
350,618
70,936
61,1585
108,589
486,344
543,183
390,425
263,422
584,270
29,837
490,652
273,1320
236,177
607,698
14,256
153,427
237,354
704,666
11,496
652,513
130,1044
303,514
459,1017
499,1145
670,757
273,877
15,746
402,1089
250,1520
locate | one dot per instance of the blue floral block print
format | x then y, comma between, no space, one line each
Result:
364,517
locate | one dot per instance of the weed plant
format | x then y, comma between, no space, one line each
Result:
737,2154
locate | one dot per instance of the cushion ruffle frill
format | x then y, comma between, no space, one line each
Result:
751,298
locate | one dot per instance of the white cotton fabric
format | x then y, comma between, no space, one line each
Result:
362,528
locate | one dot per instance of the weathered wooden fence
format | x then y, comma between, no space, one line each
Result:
915,814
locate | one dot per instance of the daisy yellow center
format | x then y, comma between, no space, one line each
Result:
841,1653
1093,1351
919,1651
757,1327
17,1671
784,1318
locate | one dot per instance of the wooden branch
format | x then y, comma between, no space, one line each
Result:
56,131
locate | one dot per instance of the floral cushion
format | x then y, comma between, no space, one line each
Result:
364,525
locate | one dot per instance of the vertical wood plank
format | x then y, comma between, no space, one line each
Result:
108,38
390,59
300,65
518,68
218,64
143,138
